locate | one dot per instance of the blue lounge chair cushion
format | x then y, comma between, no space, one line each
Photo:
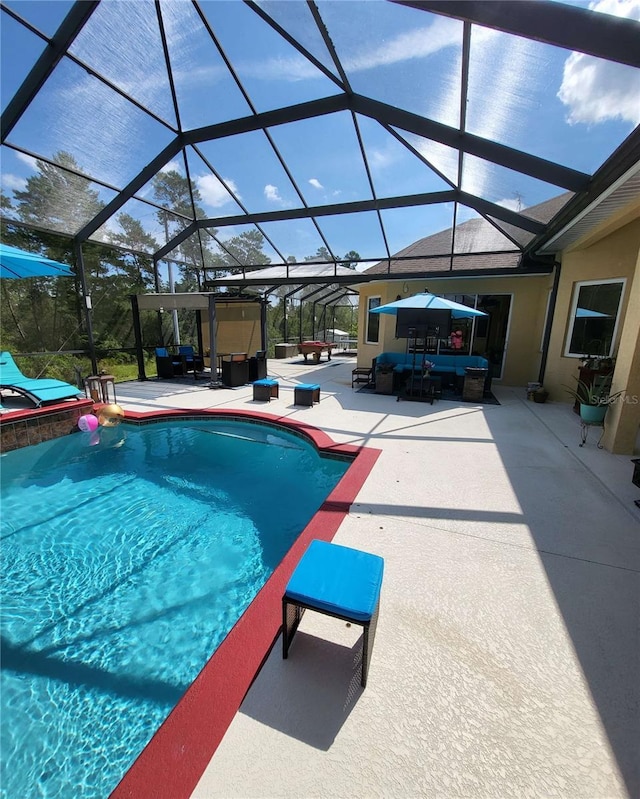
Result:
38,389
265,381
338,580
308,386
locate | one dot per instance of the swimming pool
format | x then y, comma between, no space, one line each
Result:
125,563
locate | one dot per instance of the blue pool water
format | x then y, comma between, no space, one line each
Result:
125,562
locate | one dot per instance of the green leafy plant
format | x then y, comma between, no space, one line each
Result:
592,394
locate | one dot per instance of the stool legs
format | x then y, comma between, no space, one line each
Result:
369,635
292,614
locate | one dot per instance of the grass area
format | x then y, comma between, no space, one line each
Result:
126,371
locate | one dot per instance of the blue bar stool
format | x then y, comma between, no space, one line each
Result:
266,389
306,393
337,581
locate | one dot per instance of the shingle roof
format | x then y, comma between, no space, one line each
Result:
478,245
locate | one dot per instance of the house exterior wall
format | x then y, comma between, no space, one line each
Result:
529,297
615,254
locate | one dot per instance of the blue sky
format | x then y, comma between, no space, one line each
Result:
564,107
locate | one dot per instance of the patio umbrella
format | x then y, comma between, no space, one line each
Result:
587,313
426,300
15,263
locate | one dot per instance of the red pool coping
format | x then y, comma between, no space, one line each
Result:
171,764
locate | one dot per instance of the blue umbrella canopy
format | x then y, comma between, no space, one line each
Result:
15,263
587,313
426,300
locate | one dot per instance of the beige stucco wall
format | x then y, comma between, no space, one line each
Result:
613,254
529,297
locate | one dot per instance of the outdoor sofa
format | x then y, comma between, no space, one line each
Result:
451,367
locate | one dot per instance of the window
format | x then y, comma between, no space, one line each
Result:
372,335
594,318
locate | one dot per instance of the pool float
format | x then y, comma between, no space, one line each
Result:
110,415
88,423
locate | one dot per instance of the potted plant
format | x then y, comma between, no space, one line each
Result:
540,394
594,399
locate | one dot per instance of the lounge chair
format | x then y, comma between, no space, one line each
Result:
38,390
168,365
194,362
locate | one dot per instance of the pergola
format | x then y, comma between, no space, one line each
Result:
426,108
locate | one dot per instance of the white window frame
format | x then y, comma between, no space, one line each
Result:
574,306
367,340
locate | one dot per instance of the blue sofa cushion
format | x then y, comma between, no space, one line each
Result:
441,364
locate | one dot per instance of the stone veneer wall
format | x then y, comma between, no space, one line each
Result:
22,428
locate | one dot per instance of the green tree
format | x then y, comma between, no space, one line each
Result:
50,310
350,259
181,200
322,254
133,235
58,198
245,249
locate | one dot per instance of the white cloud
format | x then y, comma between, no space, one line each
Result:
316,183
595,90
410,45
381,158
13,182
29,160
291,69
272,194
213,192
418,43
174,166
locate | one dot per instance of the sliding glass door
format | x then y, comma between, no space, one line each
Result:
482,335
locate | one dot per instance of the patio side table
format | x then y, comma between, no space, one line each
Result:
361,374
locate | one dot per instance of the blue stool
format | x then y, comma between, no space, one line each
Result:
265,389
337,581
306,394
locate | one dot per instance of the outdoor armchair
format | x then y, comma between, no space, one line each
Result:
168,365
193,361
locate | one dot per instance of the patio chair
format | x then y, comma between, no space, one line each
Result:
39,390
168,365
194,363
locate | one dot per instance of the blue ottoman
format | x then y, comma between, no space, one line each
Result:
337,581
265,389
306,394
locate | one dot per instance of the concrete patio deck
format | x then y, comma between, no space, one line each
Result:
507,652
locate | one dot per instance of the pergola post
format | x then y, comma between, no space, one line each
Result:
263,324
137,333
212,340
77,246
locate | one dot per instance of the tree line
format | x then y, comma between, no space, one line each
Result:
45,315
